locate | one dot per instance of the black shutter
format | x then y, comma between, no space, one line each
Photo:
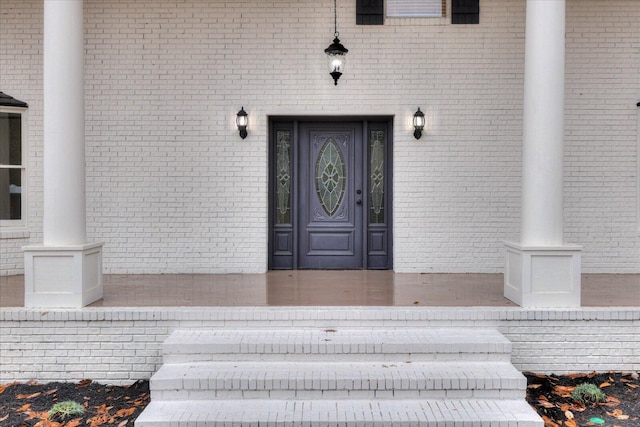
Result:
369,12
465,11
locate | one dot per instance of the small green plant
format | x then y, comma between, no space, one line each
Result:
588,393
66,410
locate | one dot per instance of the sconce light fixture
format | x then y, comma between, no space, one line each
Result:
336,52
241,121
418,123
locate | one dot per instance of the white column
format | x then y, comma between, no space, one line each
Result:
65,271
543,124
541,269
64,175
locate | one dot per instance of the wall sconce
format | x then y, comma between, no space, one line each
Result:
418,123
241,121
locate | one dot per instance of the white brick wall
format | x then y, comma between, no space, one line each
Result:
123,345
11,258
172,188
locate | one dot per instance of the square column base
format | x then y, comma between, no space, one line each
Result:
62,276
544,276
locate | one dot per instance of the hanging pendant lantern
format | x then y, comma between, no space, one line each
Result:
336,52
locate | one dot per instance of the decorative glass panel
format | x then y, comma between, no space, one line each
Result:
283,177
330,176
376,179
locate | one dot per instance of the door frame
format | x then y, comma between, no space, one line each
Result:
292,124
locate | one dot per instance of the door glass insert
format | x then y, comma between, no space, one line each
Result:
283,177
330,176
376,177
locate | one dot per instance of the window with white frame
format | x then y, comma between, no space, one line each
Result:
13,173
416,8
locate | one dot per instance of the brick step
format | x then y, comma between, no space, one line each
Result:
335,380
389,345
325,377
371,413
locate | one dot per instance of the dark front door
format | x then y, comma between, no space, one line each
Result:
329,198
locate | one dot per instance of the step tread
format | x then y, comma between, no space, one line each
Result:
338,376
340,412
340,341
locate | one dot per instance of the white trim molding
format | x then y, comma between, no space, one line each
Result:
543,276
63,276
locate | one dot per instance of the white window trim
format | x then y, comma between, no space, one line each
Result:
17,225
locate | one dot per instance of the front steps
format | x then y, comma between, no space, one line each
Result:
436,377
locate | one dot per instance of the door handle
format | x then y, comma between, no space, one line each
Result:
358,202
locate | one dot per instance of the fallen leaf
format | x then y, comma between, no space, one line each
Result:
576,375
74,422
534,386
4,418
578,407
28,396
24,407
570,423
124,423
617,414
568,414
548,422
633,385
35,415
564,407
546,404
47,423
605,384
84,383
125,412
611,402
563,391
50,392
533,374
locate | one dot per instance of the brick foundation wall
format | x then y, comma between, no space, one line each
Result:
171,188
120,346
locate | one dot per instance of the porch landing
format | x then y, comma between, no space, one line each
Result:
327,288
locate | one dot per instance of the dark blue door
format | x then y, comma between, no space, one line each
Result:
330,198
331,186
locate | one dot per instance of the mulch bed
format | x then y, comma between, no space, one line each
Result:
550,395
28,404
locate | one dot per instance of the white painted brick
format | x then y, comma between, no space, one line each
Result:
172,189
75,349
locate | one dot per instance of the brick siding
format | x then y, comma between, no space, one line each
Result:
171,188
120,346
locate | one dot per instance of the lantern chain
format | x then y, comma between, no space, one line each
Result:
335,19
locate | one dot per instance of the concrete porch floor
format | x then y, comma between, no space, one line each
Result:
327,288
